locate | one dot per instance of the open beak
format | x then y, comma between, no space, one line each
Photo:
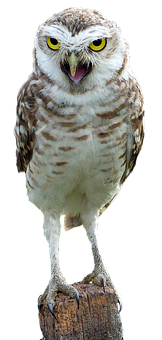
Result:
73,64
75,70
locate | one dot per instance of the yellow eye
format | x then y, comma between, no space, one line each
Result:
98,45
53,43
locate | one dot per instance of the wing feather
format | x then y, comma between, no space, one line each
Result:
25,124
137,136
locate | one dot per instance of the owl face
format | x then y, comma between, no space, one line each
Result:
78,48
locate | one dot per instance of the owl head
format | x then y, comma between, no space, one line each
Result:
78,49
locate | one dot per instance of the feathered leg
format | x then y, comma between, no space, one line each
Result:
99,274
57,281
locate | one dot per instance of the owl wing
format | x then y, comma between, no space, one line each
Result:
134,143
25,124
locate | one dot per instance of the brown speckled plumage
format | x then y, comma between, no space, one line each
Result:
79,129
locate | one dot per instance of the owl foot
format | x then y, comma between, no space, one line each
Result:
56,285
101,277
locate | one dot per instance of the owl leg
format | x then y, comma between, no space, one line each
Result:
99,274
57,281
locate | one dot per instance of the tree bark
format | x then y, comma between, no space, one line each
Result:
97,316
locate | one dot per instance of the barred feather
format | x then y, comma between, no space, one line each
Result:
79,142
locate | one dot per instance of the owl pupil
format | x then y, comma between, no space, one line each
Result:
97,42
54,41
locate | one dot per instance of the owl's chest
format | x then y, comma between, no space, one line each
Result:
78,143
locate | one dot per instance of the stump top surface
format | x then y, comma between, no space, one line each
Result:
97,316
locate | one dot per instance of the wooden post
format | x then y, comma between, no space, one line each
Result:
97,316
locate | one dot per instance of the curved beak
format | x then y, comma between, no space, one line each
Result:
73,64
75,70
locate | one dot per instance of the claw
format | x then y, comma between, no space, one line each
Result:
50,307
39,308
103,283
77,298
120,305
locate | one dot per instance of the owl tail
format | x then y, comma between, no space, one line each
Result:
72,221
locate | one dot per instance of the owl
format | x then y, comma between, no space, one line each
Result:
79,130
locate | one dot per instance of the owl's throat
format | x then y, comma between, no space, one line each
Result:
81,71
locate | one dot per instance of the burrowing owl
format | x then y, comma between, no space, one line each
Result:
79,129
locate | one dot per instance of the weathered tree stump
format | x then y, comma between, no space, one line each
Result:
97,316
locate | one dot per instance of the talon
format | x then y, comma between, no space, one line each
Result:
103,283
50,307
39,308
120,304
77,298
